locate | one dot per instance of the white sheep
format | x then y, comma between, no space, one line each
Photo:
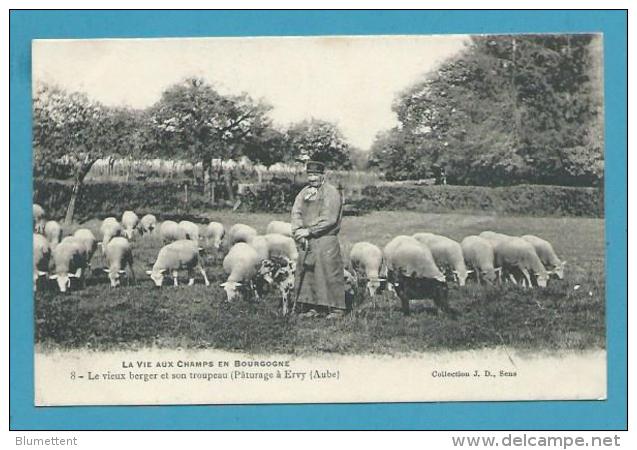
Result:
178,255
367,263
170,231
413,272
518,257
41,257
547,255
191,229
478,255
241,233
282,246
118,255
53,232
261,246
39,218
147,224
424,238
70,262
394,243
109,229
90,242
493,237
110,221
129,223
279,227
274,245
448,255
214,234
241,264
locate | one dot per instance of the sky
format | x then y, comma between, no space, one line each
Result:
351,81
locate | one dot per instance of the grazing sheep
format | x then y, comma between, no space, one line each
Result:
448,255
544,250
260,245
413,272
88,239
282,246
394,243
147,224
241,233
53,232
110,221
478,255
191,229
493,237
424,238
70,262
41,257
39,218
241,264
214,234
110,228
367,263
279,227
129,223
80,241
517,257
178,255
170,231
118,255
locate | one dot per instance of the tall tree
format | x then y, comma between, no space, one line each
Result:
509,109
319,140
193,121
69,128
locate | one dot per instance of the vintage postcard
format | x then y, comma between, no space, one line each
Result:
319,219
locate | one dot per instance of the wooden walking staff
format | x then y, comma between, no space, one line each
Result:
305,246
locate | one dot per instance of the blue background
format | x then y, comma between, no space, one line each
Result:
27,25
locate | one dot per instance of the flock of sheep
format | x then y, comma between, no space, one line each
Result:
425,262
267,259
412,267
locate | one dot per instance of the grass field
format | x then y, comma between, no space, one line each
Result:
568,314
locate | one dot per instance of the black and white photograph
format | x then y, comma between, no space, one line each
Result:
338,219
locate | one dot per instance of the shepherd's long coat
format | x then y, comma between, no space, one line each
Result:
321,270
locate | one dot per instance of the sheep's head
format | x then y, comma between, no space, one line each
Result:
156,276
63,279
461,276
114,276
375,286
542,279
232,289
558,270
490,276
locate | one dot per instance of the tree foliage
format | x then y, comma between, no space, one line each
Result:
319,140
193,121
506,110
270,148
71,132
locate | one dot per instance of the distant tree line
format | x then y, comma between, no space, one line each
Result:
191,121
506,110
